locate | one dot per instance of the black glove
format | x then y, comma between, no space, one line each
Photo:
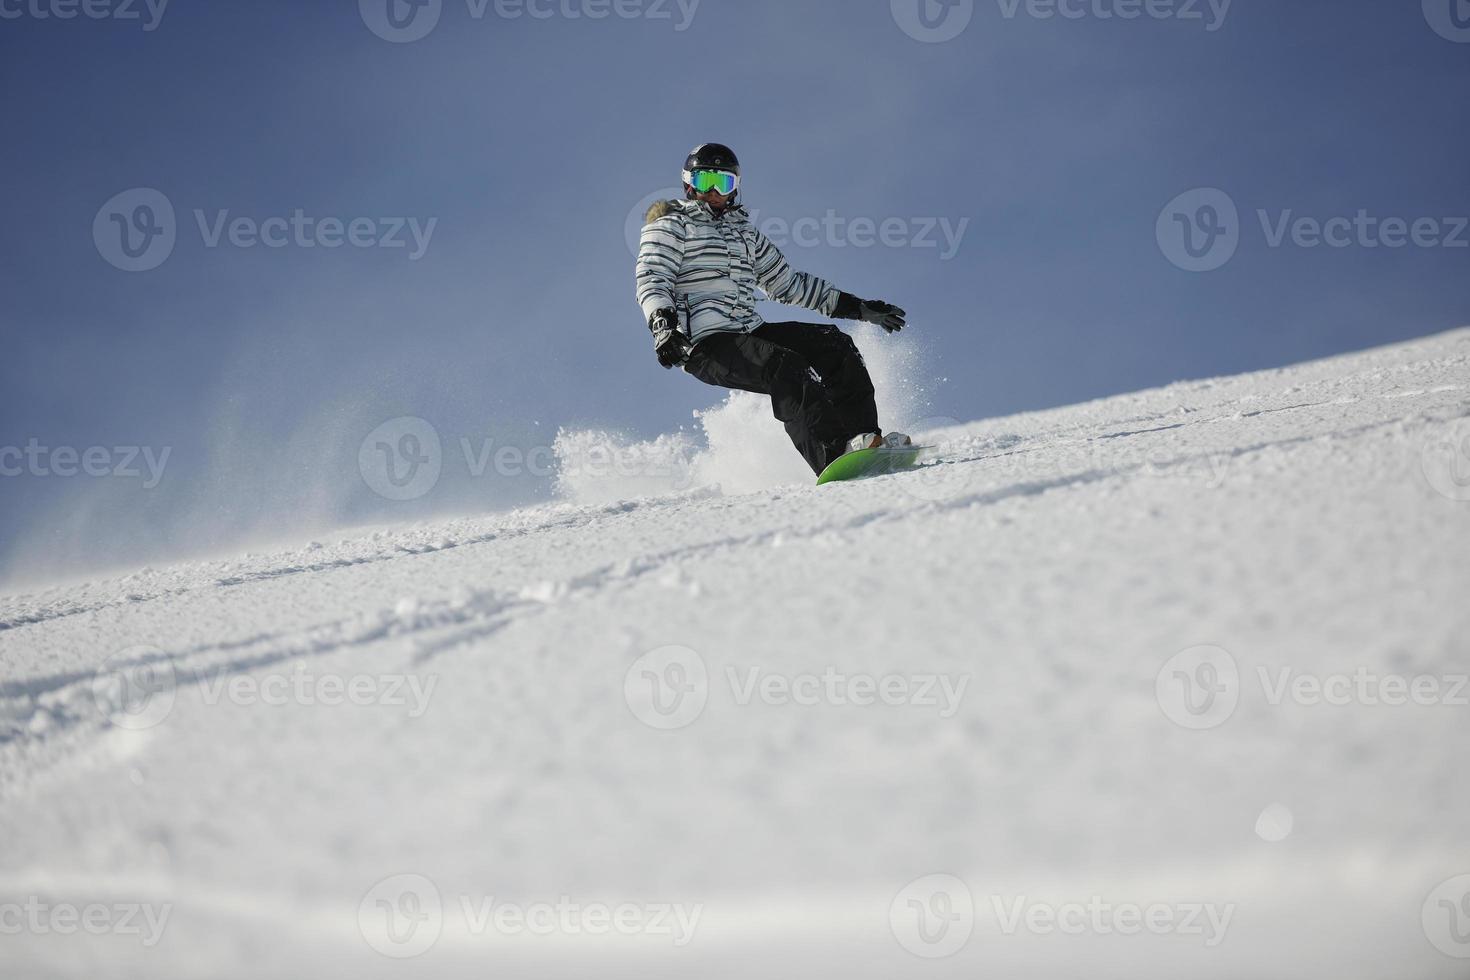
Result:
885,315
669,343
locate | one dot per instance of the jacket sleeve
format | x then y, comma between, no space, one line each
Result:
660,254
785,285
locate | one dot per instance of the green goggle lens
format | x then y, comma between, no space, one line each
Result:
704,181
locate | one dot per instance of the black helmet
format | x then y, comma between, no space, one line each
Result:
712,156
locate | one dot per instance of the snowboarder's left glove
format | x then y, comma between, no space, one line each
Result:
669,342
885,315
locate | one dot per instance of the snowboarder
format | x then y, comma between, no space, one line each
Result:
699,263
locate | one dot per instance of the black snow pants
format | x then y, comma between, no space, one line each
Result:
818,383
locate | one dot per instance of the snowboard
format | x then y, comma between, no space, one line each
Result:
870,462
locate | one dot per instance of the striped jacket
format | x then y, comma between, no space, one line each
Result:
708,268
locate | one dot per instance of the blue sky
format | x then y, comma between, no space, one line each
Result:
518,145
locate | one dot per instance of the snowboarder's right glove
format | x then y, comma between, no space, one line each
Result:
669,342
885,315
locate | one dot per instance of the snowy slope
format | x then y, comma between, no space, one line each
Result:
564,705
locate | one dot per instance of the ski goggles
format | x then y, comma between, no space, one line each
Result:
704,181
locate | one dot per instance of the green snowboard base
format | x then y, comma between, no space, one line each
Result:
869,462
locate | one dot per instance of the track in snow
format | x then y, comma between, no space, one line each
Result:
1031,597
